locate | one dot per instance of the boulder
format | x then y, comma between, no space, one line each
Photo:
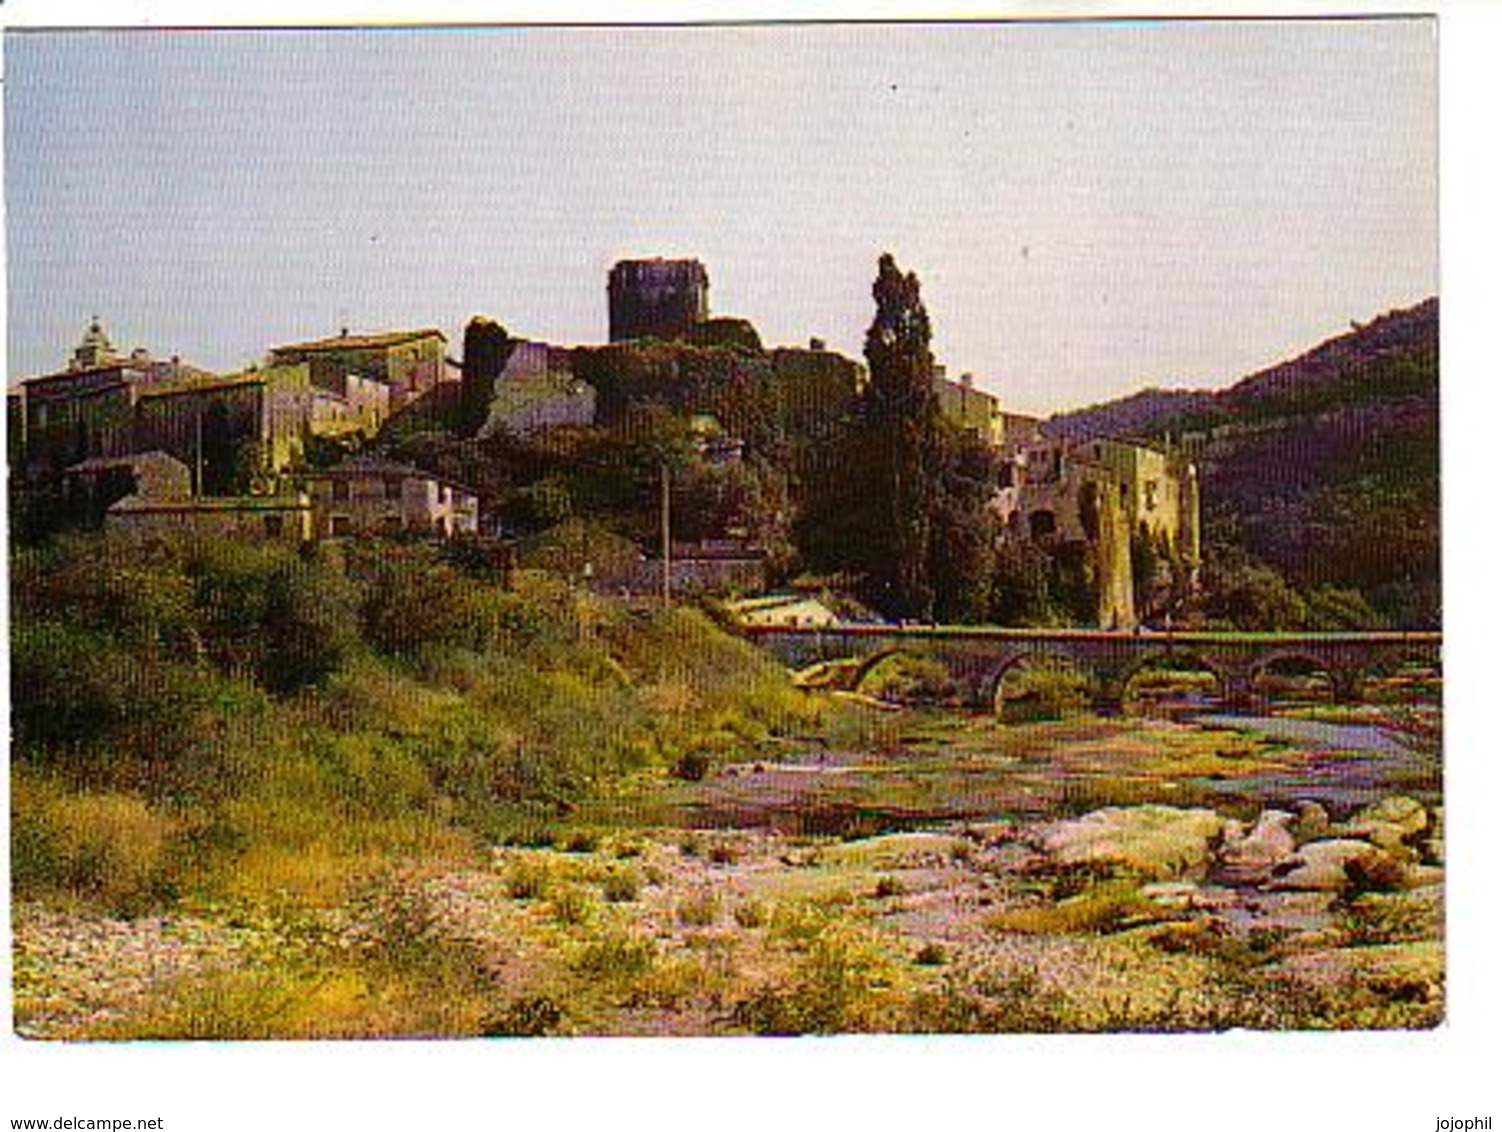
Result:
1253,858
1157,842
1321,865
1387,836
1312,822
1177,895
1395,819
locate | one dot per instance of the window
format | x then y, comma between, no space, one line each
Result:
340,526
273,524
341,491
393,489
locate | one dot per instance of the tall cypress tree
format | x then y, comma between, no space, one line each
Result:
486,348
902,435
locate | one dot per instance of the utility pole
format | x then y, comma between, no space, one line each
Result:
198,452
667,540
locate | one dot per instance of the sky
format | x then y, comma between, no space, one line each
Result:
1091,208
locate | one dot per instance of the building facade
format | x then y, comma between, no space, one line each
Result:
409,363
368,495
86,410
285,517
971,410
242,432
1108,496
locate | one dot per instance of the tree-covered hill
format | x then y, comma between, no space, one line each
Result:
1325,467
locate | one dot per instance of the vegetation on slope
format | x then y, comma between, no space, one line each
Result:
210,719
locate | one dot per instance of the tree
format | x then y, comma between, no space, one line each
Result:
961,550
311,625
902,429
487,347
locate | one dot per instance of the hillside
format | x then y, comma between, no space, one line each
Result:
1325,467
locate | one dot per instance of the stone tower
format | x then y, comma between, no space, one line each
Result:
657,298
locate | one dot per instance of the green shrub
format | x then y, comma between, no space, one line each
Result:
840,985
533,1017
889,886
1043,691
108,849
571,904
751,914
310,628
582,841
931,954
621,886
701,910
910,680
528,878
617,957
692,766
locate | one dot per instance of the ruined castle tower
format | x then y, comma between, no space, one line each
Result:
657,298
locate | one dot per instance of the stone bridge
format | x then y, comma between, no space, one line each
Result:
977,658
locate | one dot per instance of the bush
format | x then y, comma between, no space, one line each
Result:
105,848
534,1017
621,886
1043,691
311,626
910,680
571,904
840,985
931,955
723,853
702,910
751,914
528,878
693,766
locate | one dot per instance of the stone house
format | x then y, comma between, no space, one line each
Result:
154,491
1104,494
287,517
409,363
356,406
241,431
370,495
86,410
92,486
970,409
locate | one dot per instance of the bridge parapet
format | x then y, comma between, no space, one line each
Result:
978,657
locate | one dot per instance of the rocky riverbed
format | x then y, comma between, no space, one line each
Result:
1063,879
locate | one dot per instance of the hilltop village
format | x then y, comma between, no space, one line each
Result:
682,454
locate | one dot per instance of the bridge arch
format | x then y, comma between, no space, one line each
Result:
1135,675
1343,675
1067,668
886,657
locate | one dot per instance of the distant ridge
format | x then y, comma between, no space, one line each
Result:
1336,361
